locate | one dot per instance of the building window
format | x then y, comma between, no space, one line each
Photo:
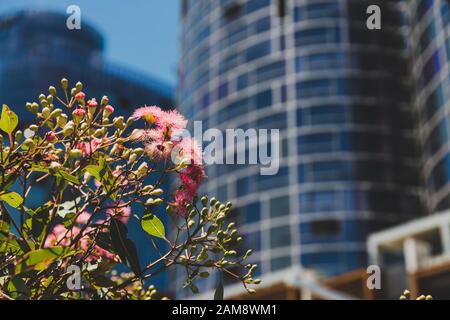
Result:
325,228
280,237
282,8
233,11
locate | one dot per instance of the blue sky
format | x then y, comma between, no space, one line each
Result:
142,34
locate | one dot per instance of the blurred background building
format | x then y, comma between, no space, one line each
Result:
342,97
37,50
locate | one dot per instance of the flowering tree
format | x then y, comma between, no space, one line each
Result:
92,175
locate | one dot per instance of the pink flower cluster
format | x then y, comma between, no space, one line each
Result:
161,140
62,236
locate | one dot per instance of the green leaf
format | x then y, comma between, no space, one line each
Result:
39,168
102,174
153,226
123,246
17,289
94,171
68,177
12,198
8,120
40,259
218,295
9,243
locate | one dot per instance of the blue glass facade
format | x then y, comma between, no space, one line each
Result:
430,25
341,97
37,50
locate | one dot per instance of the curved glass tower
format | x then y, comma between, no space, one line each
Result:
340,95
430,30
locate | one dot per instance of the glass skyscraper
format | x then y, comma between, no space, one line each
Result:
37,50
340,94
430,39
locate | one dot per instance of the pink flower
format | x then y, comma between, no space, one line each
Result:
156,145
107,110
50,136
78,115
61,236
79,112
159,149
83,217
171,121
122,212
92,103
181,198
192,177
80,96
148,113
87,148
188,150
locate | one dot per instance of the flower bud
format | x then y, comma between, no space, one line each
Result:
104,101
64,83
55,113
68,129
41,97
152,201
54,166
99,133
18,135
116,149
79,86
142,170
118,122
107,110
84,126
132,158
46,113
147,188
34,107
78,115
50,136
52,90
33,127
80,97
29,143
62,120
92,104
139,151
75,153
157,192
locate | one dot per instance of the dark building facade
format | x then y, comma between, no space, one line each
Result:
342,98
